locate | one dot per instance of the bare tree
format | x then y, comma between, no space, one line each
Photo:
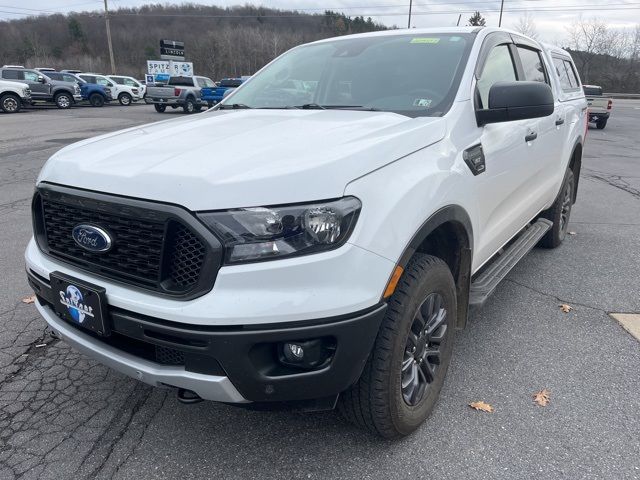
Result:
527,26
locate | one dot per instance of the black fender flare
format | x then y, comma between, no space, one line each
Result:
458,216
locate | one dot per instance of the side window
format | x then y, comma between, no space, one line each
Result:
532,65
88,78
119,80
31,76
571,72
565,82
69,78
129,83
497,68
568,78
102,81
11,74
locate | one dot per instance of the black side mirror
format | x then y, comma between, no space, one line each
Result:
510,101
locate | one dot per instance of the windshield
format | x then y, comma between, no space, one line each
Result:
415,75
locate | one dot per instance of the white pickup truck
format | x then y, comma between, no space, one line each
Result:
319,236
13,96
600,107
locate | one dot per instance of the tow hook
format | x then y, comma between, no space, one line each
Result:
188,397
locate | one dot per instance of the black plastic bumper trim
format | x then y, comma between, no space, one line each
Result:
248,355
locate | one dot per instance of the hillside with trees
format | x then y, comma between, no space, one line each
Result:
221,42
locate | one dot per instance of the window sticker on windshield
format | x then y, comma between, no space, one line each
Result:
422,102
425,40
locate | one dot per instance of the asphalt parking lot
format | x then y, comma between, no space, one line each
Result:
63,416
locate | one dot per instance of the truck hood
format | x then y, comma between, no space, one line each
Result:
242,158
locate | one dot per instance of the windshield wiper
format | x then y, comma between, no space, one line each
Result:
233,106
315,106
310,106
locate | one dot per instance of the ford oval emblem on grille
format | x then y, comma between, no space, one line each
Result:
92,238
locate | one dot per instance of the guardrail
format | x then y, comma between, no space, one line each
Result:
622,95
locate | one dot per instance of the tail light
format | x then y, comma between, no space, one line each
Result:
176,92
610,104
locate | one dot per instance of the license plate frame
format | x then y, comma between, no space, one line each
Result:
80,303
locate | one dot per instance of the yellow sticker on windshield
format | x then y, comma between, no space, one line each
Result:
425,40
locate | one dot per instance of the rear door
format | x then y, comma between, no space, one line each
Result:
38,89
547,151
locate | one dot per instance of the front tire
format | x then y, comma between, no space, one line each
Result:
124,99
96,100
189,106
559,213
10,103
63,101
404,374
160,108
600,124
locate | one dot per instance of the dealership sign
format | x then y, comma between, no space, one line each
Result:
171,50
175,69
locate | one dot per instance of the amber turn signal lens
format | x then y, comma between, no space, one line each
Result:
393,282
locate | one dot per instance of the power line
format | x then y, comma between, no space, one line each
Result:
554,8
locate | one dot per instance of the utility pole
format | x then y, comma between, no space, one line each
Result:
106,20
499,21
410,5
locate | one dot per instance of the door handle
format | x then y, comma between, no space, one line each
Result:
559,121
531,136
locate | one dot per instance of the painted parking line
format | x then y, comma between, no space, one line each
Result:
630,322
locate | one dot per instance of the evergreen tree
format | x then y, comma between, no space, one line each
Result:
477,20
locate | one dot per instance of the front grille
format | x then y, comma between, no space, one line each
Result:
135,257
151,249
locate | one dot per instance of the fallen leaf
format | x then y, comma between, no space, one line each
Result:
29,299
482,406
542,397
571,233
565,308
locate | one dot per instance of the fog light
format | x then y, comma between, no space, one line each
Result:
293,352
307,354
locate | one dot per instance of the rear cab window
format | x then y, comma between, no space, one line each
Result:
567,74
592,91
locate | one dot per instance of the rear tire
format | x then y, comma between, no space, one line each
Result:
404,374
600,124
10,103
63,100
124,99
160,108
559,213
189,106
96,100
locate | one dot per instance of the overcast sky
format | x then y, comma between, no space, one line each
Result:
550,16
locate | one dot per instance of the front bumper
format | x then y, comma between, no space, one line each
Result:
225,364
77,98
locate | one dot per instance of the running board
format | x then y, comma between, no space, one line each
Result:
484,285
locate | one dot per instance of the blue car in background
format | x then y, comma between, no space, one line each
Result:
213,95
96,95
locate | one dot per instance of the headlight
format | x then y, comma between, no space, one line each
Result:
26,92
265,233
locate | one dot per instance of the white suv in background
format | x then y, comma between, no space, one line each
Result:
125,94
319,236
129,82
